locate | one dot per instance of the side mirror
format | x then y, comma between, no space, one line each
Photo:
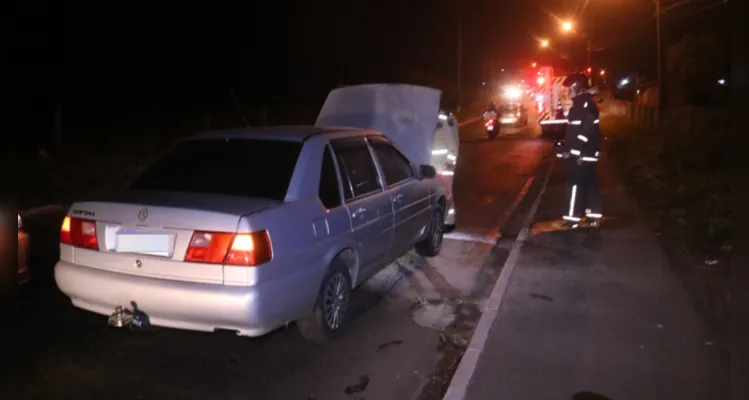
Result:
427,171
559,143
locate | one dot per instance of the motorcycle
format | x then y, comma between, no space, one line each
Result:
491,125
492,129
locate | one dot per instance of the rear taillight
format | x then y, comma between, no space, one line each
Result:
229,248
79,233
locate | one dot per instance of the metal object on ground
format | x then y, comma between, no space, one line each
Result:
120,318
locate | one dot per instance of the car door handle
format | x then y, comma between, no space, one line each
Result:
359,212
398,198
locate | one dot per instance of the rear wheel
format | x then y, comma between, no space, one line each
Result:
328,319
431,245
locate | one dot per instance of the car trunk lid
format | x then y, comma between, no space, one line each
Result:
147,233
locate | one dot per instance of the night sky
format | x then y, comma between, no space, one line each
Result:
128,56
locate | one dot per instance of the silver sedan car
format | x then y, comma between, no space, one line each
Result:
249,230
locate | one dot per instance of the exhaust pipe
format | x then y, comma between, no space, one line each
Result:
124,318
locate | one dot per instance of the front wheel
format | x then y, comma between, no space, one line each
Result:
328,319
431,245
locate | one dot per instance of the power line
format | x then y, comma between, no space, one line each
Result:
675,5
703,9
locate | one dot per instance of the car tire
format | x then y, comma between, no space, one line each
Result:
431,245
328,319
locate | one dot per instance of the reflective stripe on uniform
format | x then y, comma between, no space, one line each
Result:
594,215
575,152
592,159
596,121
583,138
596,154
553,121
568,218
572,201
578,122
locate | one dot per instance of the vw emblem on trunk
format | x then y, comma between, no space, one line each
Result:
138,263
142,214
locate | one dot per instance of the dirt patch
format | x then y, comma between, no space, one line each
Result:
454,341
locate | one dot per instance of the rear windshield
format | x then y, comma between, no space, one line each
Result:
237,167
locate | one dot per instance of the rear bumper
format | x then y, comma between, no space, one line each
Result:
450,216
250,311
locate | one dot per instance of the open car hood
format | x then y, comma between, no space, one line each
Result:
405,114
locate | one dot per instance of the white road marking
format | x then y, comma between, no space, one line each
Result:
462,377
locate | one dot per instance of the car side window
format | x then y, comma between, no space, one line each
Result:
329,193
357,166
395,166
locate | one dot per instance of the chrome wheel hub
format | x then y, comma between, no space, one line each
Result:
335,301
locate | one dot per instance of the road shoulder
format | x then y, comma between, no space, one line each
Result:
597,312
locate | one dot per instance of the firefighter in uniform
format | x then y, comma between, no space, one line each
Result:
581,149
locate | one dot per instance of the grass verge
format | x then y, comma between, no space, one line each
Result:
682,181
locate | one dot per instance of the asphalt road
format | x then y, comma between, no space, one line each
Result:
409,322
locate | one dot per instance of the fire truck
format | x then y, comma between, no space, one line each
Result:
553,102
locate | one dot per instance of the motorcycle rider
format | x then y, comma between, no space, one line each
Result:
581,150
491,112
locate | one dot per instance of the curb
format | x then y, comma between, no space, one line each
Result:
462,378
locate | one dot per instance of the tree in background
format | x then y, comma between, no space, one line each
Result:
694,65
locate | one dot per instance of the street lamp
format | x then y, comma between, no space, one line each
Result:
533,65
544,43
569,27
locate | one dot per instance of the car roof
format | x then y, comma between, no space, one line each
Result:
286,133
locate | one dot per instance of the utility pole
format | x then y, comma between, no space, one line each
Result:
587,63
661,85
460,58
58,130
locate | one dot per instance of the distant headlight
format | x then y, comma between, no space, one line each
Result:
513,93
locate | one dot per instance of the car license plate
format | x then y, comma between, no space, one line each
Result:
134,241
